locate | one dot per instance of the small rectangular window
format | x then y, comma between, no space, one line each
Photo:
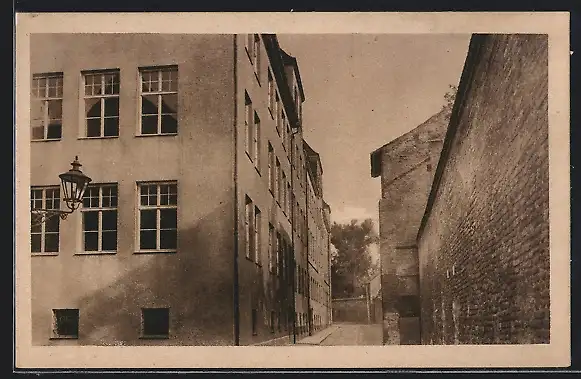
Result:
271,90
65,323
159,101
155,322
271,168
46,113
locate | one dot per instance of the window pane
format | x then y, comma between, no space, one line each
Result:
168,239
94,127
35,243
148,239
109,220
93,107
38,131
54,130
169,218
109,241
111,106
91,221
169,124
51,242
111,126
55,109
148,219
149,124
91,241
111,83
169,104
149,104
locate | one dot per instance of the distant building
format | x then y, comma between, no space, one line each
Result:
465,244
406,166
194,229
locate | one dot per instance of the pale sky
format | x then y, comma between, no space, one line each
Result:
363,91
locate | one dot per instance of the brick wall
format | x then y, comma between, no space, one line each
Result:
484,242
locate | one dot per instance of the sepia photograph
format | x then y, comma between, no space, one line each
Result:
374,190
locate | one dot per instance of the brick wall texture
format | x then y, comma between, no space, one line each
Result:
484,248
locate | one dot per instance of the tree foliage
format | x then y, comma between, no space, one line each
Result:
351,263
450,97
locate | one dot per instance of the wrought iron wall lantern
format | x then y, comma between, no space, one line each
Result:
73,183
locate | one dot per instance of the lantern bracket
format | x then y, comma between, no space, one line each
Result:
40,216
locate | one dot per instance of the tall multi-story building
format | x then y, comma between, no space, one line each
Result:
194,228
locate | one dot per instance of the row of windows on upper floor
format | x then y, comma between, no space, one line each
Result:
253,50
253,139
158,106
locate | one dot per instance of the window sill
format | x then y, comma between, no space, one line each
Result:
46,140
155,252
64,338
99,137
257,78
258,171
157,135
249,157
154,337
44,254
96,253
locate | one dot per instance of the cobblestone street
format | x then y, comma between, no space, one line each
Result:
349,334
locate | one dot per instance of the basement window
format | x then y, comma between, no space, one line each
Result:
155,322
65,323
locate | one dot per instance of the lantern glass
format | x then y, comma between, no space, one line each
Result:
74,184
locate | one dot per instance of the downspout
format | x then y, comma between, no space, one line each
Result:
293,262
236,300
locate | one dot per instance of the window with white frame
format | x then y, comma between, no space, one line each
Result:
248,125
101,103
157,217
159,100
285,131
248,227
46,107
271,168
250,46
44,238
256,142
271,91
100,218
271,248
277,112
256,56
284,193
257,236
288,200
279,185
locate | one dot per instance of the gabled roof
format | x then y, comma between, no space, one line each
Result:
376,155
